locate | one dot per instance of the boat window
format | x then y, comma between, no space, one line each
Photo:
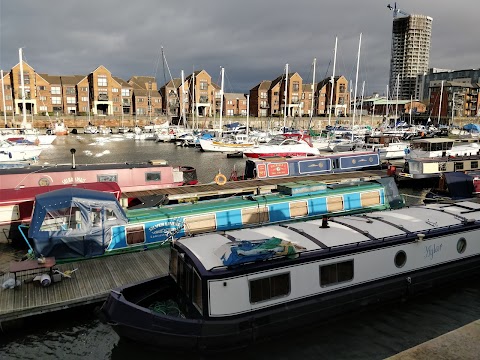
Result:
458,165
107,178
400,259
110,214
461,245
442,166
197,291
184,272
62,219
474,165
135,235
173,264
268,288
332,274
153,176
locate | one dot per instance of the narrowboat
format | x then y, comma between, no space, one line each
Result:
432,168
16,205
76,223
275,167
150,175
231,289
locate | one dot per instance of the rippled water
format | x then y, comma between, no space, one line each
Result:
372,334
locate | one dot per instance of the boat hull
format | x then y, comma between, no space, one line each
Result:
142,325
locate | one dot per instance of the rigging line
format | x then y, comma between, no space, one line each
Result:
169,73
156,65
164,74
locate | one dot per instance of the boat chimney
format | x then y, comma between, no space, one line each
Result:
325,222
73,151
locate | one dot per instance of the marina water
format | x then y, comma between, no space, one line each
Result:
370,334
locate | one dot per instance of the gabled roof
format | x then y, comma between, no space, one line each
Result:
140,81
233,96
71,79
51,79
174,83
146,93
122,82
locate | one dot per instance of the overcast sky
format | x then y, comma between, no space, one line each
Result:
251,39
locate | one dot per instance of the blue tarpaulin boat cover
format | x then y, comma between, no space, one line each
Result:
471,127
74,222
247,251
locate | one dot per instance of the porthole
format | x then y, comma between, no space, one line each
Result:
400,259
461,245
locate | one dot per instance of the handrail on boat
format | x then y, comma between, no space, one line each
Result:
30,251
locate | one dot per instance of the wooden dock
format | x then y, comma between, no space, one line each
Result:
257,187
90,283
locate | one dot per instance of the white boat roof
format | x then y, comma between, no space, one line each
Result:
433,140
341,231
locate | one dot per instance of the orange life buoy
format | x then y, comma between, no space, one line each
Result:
220,179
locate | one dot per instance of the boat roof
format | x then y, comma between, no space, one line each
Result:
29,193
46,168
342,231
208,206
432,140
262,159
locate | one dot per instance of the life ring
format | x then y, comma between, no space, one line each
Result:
220,179
171,131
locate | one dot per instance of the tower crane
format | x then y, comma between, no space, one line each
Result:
396,11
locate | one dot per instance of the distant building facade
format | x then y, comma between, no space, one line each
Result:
410,53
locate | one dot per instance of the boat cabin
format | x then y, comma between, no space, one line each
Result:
275,166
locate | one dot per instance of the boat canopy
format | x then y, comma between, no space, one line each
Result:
460,185
73,222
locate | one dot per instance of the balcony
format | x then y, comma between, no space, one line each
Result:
102,97
264,106
203,99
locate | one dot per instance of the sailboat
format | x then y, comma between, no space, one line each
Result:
231,143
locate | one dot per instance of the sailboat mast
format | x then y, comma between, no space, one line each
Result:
440,104
313,92
183,98
285,98
248,111
356,83
221,101
193,100
22,82
332,82
396,101
3,98
361,102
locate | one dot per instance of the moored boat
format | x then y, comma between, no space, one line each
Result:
150,175
432,168
454,186
275,167
440,147
230,290
16,205
63,223
283,145
10,151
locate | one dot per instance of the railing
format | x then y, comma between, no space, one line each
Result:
102,97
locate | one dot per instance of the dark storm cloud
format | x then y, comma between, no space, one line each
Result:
252,39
